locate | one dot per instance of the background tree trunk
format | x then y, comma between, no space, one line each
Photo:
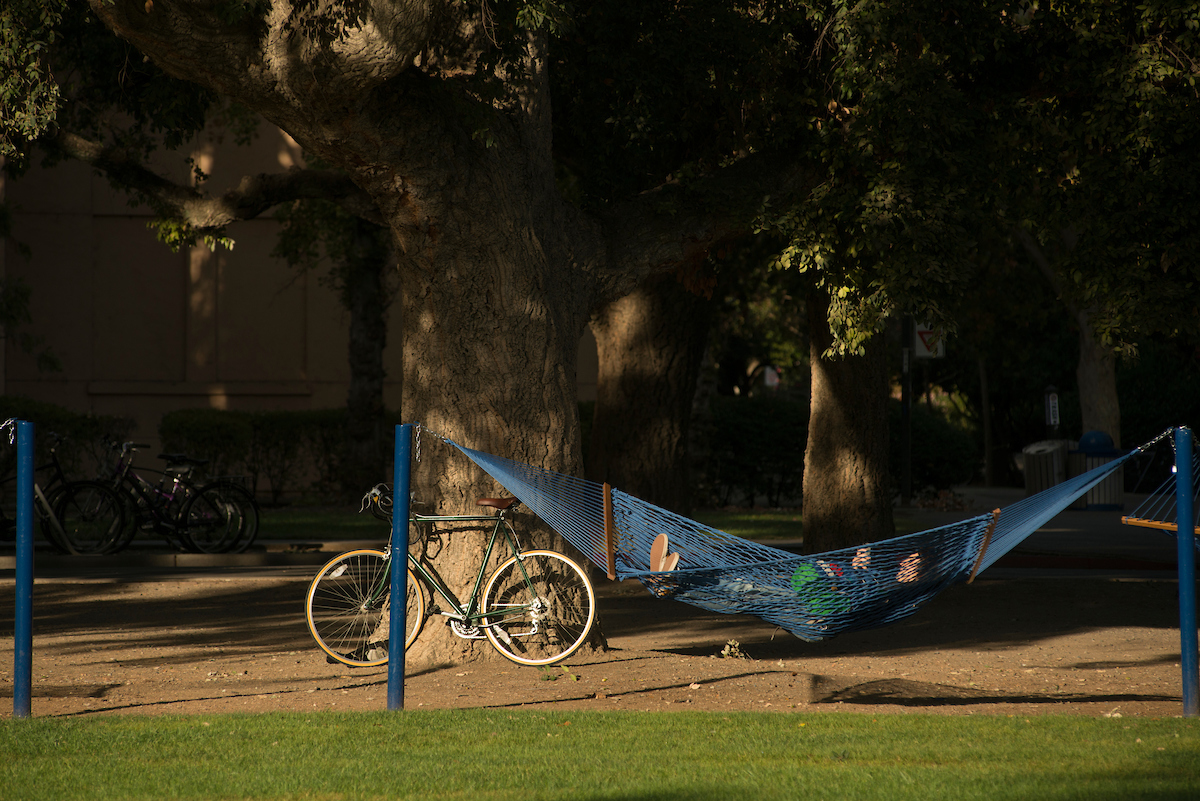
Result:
847,494
1096,372
367,299
650,344
1099,404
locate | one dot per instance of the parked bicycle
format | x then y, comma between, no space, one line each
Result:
75,517
536,608
220,516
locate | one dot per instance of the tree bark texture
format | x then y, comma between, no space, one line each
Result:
366,298
1096,372
498,273
650,344
847,493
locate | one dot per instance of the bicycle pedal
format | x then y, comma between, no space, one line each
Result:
464,631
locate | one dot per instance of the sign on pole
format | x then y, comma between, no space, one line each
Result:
928,342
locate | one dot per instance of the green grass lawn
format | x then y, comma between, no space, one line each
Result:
494,754
320,523
754,524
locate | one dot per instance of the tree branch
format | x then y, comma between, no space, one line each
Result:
677,225
254,195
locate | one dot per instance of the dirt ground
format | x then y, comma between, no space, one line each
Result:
202,645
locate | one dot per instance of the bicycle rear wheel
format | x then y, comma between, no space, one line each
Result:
538,608
219,518
91,515
348,608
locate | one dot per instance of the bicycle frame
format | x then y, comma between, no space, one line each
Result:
47,513
470,615
156,500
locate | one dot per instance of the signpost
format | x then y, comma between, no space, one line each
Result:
928,342
921,341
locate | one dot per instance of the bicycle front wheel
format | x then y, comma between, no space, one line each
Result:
91,516
348,608
538,608
219,518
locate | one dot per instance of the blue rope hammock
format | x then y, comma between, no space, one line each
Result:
813,597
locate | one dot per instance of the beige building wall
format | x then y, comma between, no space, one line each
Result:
141,330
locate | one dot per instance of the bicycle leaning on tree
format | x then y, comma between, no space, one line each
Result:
536,608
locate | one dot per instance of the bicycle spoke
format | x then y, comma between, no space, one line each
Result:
539,608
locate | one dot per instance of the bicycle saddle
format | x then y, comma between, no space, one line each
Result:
181,458
496,503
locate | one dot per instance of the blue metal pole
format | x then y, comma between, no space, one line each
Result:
1186,544
23,611
397,624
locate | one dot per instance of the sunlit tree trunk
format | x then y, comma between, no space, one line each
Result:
847,493
650,344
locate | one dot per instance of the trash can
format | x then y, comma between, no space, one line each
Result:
1095,449
1045,464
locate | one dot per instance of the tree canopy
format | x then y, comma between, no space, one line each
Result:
928,121
535,160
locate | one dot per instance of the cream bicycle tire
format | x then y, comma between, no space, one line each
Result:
344,609
542,630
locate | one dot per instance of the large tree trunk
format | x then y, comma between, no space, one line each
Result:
490,343
366,297
847,493
650,344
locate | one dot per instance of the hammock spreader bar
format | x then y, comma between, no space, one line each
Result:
814,596
1159,511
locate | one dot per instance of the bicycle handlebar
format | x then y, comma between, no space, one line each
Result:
379,499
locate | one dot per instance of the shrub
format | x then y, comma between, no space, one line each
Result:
324,446
290,451
84,439
756,449
942,454
225,438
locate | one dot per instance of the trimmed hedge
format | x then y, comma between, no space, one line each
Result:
224,438
289,451
84,447
756,450
943,455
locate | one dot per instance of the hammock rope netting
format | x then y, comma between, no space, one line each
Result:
813,596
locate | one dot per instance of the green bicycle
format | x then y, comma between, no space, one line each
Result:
536,608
